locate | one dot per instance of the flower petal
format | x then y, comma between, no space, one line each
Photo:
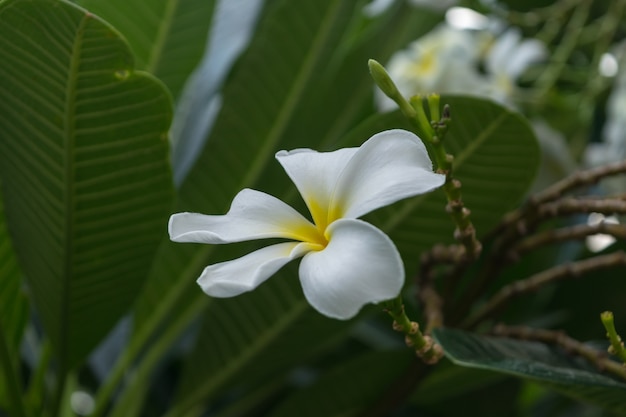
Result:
315,175
527,52
360,265
231,278
252,215
502,51
390,166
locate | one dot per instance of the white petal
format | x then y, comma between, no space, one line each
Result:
360,265
527,53
252,215
231,278
502,50
390,166
315,175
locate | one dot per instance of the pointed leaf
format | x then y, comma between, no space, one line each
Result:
537,362
83,155
166,36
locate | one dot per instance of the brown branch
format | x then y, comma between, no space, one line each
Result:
580,231
501,254
426,292
555,191
569,206
577,180
534,282
596,357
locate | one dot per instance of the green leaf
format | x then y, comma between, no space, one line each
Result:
166,36
495,157
537,362
350,387
84,162
249,130
274,323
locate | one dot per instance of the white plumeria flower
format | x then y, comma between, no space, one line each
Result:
346,262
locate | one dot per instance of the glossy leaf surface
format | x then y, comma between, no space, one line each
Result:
84,158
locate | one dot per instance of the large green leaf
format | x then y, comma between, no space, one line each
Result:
349,388
84,162
537,362
374,382
166,36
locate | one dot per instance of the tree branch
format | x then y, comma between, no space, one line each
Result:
533,283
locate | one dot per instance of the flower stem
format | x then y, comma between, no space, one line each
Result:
429,351
617,345
433,134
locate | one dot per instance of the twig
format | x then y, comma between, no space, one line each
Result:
568,206
533,283
433,134
577,180
580,231
454,257
540,207
557,190
424,345
617,345
598,358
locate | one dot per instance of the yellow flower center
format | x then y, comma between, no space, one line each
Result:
321,216
425,64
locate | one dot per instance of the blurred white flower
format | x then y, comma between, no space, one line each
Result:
447,61
346,262
507,60
600,241
557,161
443,61
613,146
376,7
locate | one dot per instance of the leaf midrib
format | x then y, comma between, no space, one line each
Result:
69,139
161,36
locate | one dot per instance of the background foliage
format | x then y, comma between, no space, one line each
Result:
99,311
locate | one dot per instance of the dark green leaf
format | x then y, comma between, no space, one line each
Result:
166,36
84,162
537,362
350,387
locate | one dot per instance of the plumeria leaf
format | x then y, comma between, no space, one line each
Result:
364,382
535,361
348,388
84,162
167,37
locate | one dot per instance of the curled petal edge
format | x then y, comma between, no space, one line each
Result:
235,277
